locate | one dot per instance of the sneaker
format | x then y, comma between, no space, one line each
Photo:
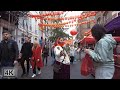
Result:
39,72
33,75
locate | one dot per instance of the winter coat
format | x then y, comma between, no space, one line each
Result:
35,56
8,50
60,58
26,50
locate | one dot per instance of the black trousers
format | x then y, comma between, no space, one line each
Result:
34,69
23,66
71,59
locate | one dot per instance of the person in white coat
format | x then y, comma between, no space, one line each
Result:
61,59
103,53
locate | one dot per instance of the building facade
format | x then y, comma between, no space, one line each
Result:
82,28
103,17
20,25
28,27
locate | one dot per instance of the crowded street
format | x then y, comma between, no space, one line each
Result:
47,72
59,44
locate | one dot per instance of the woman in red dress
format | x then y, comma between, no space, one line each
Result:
36,58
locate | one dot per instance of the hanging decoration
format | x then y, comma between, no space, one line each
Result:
47,14
73,32
70,19
66,24
85,15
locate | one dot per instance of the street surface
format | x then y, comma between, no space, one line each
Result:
47,71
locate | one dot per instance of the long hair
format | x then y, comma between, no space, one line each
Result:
35,44
98,31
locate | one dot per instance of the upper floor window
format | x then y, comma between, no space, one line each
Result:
23,24
26,26
105,17
99,20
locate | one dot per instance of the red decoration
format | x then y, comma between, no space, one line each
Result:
73,32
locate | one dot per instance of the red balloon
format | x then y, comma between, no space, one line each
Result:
73,32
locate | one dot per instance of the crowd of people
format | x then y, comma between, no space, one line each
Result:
36,54
30,52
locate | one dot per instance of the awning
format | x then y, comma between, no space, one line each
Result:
91,40
88,40
113,26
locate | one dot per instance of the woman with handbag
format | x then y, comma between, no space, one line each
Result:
61,67
36,58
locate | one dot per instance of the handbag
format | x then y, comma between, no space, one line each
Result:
57,67
87,66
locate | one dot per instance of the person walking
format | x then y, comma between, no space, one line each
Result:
72,52
102,55
8,51
80,51
45,54
36,60
52,55
26,54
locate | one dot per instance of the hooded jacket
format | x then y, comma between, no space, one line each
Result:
103,52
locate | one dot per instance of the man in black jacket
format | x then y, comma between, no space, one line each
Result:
8,51
26,54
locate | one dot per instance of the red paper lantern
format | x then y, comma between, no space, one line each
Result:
73,32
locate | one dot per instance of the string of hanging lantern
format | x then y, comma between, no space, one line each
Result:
65,24
85,15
